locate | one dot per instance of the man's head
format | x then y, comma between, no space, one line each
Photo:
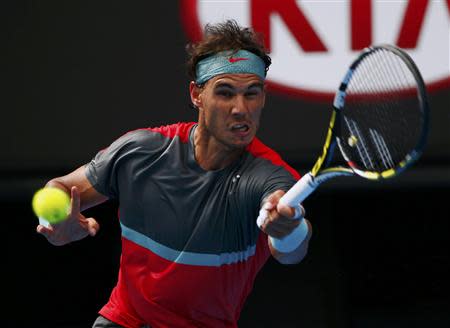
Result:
225,37
228,68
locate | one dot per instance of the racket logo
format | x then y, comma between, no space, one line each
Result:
309,43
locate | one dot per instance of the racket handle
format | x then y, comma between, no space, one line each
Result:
300,191
297,194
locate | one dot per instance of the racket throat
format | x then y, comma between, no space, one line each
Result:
328,147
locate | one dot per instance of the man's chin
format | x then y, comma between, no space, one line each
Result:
242,143
236,142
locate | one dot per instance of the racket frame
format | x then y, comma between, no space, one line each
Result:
310,181
319,175
339,103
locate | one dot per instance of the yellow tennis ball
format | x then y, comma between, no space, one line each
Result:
52,204
352,141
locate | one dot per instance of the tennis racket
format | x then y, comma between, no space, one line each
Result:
379,123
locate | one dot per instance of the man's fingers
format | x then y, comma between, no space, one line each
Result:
44,230
285,211
75,201
268,206
291,212
274,219
275,197
47,232
92,226
278,231
284,222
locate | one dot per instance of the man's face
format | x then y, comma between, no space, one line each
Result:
230,108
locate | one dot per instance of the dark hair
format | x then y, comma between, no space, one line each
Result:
225,36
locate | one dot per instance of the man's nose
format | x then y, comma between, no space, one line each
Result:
239,105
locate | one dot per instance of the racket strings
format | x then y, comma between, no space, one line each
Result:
382,120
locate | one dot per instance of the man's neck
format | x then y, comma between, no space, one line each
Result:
211,154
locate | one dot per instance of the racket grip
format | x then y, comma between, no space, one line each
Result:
297,194
300,191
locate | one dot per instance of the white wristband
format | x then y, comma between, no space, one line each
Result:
291,241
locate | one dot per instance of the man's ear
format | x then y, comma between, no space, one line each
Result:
195,92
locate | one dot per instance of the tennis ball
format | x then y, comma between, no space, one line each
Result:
352,141
51,204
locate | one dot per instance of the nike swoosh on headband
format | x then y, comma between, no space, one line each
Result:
236,59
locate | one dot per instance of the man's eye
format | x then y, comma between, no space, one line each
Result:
252,93
225,93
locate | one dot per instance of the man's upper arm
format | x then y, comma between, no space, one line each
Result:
89,195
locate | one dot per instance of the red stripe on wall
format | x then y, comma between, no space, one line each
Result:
361,23
412,24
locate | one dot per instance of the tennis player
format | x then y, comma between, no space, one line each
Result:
189,196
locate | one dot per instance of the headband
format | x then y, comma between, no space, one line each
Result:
230,62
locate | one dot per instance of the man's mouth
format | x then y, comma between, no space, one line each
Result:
241,127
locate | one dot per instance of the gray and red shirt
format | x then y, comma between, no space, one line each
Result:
191,248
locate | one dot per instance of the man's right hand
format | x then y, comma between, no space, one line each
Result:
74,228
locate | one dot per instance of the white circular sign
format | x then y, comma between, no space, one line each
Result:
312,43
